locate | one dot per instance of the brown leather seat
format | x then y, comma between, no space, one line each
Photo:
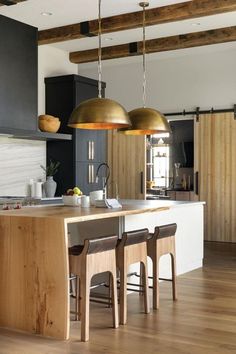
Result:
75,250
95,245
159,243
132,248
96,256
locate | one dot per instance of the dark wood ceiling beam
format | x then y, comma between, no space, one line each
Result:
165,14
189,40
10,2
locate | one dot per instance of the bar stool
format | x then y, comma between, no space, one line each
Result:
132,248
96,256
159,243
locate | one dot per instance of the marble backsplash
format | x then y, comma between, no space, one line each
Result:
20,160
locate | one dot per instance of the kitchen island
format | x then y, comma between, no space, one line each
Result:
34,287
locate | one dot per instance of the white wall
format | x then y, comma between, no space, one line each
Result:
184,79
202,77
51,62
20,159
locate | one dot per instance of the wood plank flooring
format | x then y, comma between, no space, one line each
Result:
202,321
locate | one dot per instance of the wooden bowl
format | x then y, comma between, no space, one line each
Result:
49,123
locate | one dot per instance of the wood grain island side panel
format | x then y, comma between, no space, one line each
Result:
34,276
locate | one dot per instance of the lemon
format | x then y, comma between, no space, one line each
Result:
77,191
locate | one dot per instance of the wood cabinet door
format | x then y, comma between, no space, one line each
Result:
217,174
127,159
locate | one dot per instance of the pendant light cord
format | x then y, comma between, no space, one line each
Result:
144,58
99,50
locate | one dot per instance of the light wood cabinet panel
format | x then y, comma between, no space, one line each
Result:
193,197
171,194
217,174
127,160
182,195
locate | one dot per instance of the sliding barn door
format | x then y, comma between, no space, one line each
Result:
127,160
216,163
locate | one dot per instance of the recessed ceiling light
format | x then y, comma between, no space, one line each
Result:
196,24
45,13
108,39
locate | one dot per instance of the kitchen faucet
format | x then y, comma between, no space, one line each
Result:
104,178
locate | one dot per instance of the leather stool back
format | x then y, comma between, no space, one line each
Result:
96,256
162,242
132,249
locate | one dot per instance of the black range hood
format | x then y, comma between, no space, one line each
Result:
19,82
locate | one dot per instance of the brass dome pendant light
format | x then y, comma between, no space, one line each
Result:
146,121
99,113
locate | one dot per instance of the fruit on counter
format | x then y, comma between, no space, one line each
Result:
70,192
77,191
74,191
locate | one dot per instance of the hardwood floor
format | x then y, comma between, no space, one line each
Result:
202,321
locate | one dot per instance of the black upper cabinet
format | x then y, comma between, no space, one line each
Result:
80,157
89,145
18,75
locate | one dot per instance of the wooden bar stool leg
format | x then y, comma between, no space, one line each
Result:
77,299
110,279
145,286
84,302
123,295
173,268
141,283
114,303
156,289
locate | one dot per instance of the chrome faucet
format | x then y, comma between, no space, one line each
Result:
104,178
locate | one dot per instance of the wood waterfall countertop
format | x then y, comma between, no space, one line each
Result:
78,214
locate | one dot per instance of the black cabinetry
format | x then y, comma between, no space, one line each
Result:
181,147
18,75
80,157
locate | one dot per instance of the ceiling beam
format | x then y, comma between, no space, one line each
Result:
165,14
189,40
10,2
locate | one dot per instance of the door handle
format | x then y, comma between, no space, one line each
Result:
89,150
92,150
197,183
141,182
91,175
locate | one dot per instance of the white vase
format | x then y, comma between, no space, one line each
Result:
50,187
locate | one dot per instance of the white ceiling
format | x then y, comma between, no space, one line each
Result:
74,11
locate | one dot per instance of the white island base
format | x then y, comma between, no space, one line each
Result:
189,236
